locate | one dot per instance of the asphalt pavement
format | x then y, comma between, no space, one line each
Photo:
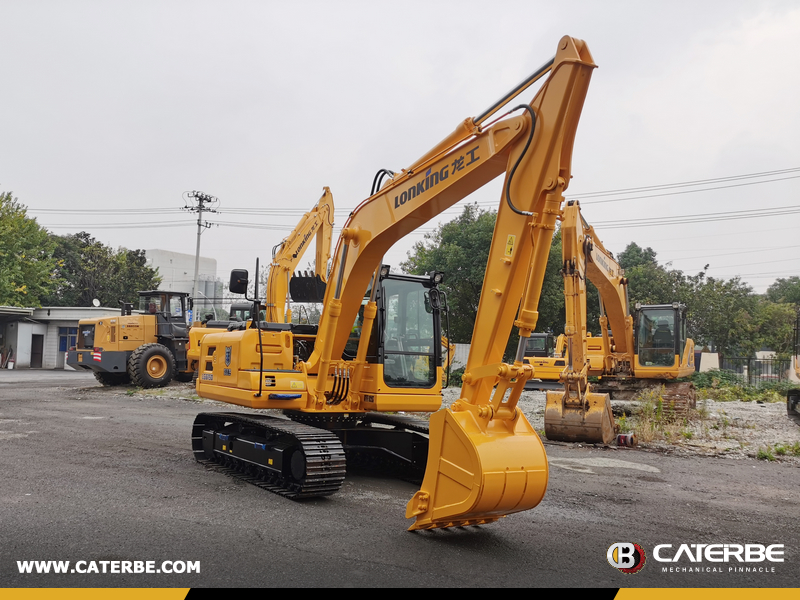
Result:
106,476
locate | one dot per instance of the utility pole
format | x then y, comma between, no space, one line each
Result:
204,203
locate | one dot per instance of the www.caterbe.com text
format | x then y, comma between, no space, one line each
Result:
107,566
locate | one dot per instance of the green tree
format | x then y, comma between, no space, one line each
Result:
721,314
635,256
460,249
26,262
650,282
88,269
774,327
785,290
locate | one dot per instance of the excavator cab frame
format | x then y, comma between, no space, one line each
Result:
660,338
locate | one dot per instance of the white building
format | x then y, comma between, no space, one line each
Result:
177,275
38,338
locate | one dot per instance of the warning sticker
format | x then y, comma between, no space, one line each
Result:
512,239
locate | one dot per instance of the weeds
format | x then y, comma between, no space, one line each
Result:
765,454
654,419
786,450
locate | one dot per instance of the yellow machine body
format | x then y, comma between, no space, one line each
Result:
147,348
484,459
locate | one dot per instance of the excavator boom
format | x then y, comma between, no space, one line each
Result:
317,223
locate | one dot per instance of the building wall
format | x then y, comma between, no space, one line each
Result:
25,333
177,270
177,273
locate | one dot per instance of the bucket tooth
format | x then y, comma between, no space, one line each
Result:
478,471
568,419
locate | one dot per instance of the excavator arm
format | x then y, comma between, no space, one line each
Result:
576,413
317,223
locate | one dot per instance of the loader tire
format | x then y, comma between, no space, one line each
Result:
151,365
110,379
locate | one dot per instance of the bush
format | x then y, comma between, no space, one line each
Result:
725,386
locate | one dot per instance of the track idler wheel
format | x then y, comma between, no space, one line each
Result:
568,419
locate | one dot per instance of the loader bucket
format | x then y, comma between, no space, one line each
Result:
567,419
478,471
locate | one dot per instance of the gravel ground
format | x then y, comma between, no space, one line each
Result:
732,429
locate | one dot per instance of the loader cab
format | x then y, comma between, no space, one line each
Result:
407,332
242,311
169,309
660,334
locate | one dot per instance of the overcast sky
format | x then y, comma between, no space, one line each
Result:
117,108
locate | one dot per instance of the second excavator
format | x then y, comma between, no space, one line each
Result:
646,348
377,348
314,226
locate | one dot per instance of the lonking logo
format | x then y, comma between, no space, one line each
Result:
434,178
626,557
308,234
228,352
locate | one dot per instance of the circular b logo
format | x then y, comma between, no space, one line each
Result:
625,556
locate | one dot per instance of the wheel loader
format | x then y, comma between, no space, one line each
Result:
146,348
342,390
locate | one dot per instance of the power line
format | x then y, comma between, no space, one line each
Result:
701,217
140,225
682,184
721,187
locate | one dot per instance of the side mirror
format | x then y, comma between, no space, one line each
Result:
239,281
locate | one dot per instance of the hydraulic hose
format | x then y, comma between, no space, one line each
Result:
519,160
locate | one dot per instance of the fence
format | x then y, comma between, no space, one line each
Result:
756,371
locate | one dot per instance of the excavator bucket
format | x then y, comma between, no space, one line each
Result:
478,470
567,418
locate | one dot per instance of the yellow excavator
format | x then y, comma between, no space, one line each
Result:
647,348
377,348
315,225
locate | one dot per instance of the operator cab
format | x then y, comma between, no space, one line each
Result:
407,331
660,334
169,309
540,345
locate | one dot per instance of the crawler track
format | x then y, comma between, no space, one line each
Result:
307,461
